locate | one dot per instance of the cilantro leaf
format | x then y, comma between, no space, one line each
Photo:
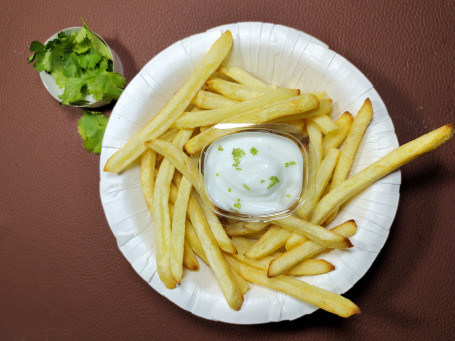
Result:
91,127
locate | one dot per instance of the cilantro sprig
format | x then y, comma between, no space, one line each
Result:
81,63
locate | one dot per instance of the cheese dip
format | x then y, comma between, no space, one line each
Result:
253,173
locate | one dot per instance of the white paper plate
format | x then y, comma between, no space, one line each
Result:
277,55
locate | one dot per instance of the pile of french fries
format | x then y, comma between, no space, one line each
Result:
269,254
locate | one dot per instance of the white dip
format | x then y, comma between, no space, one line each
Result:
253,173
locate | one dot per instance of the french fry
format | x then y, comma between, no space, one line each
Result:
178,230
242,283
177,157
301,104
215,258
350,146
294,240
211,100
308,267
189,259
314,232
160,213
267,234
384,166
325,124
315,136
305,250
217,229
323,176
336,137
148,161
321,298
243,77
235,91
257,225
325,105
174,108
209,117
194,242
311,267
275,240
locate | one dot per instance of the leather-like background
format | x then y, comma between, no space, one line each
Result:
62,276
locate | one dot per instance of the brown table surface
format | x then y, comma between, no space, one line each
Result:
62,276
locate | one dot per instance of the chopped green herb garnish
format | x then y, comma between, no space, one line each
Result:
273,180
237,154
262,181
288,195
246,187
220,148
237,205
229,189
238,200
217,174
290,163
253,151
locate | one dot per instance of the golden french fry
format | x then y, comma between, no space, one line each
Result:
321,298
189,259
211,100
267,234
320,94
301,103
294,240
325,124
243,77
334,138
169,135
209,117
243,245
244,286
307,267
174,108
323,176
314,232
215,258
162,225
178,230
307,249
194,242
311,267
350,146
217,229
148,161
325,105
160,213
275,240
256,225
384,166
315,136
177,157
235,91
